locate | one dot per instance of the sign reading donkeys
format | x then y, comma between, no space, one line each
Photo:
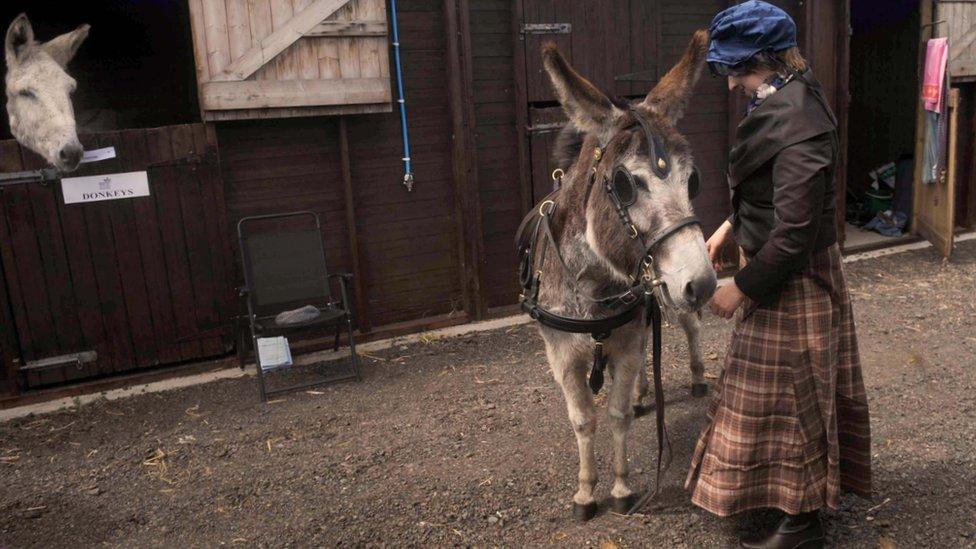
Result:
110,186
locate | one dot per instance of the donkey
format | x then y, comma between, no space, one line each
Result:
39,93
587,229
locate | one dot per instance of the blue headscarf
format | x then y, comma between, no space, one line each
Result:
744,30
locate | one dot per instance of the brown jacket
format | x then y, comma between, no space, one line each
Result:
781,175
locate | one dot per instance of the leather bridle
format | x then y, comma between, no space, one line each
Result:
646,288
644,280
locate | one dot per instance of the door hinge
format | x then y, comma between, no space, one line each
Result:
545,28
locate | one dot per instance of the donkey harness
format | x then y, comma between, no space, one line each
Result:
645,291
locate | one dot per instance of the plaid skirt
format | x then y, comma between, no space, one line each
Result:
788,423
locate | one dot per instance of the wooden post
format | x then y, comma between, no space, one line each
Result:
362,309
927,31
843,114
467,200
521,107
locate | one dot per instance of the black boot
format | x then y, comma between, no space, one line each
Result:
801,531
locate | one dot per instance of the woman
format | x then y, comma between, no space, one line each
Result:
788,424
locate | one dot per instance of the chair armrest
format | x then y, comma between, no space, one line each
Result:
343,291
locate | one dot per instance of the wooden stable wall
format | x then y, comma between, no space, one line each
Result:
443,253
406,242
496,141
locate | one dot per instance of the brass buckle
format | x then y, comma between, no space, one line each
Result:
647,274
543,205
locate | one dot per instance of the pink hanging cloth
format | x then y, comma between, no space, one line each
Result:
936,55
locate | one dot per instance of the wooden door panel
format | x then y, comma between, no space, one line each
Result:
936,201
276,58
933,209
140,281
613,43
623,47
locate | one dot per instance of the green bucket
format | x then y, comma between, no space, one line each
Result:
877,200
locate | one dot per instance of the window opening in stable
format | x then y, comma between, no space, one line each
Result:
134,70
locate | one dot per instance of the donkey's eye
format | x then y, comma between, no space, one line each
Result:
694,182
27,93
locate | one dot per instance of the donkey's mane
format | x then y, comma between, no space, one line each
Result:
569,141
568,145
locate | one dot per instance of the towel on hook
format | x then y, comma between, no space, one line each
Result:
936,54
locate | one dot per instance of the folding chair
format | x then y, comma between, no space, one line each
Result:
284,267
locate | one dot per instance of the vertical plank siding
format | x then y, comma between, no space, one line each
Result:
408,240
496,142
287,58
707,117
622,46
140,281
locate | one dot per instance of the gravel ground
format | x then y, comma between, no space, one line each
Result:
465,441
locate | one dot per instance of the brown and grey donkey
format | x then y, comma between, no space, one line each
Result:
598,248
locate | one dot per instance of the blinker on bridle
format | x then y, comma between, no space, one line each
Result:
621,186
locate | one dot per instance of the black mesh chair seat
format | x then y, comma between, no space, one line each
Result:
283,257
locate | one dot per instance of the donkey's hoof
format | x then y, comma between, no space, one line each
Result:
642,409
699,389
622,505
584,512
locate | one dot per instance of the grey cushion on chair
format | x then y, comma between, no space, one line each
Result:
302,315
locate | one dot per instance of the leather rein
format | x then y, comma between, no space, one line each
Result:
646,290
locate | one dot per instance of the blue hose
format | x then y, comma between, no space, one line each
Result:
407,169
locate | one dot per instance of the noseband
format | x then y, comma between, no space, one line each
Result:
646,289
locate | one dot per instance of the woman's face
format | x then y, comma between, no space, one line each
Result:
749,83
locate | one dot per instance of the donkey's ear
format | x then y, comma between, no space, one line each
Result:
20,36
670,96
63,48
588,108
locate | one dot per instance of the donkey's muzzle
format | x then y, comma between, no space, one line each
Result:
70,156
699,290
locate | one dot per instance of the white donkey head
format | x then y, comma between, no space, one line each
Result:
39,93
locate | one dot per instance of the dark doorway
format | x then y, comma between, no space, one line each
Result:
884,96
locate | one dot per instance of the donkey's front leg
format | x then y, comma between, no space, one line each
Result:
570,373
691,324
627,364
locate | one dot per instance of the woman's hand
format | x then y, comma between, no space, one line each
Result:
716,242
726,300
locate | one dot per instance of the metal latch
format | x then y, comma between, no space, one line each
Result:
546,28
60,361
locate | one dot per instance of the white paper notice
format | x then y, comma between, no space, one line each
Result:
111,186
274,352
98,154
